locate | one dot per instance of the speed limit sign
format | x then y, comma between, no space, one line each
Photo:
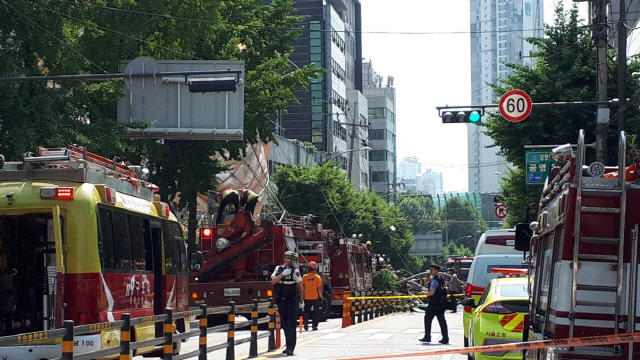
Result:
515,105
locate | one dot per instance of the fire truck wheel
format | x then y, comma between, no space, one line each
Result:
215,320
325,306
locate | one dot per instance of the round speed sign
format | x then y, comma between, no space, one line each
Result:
515,105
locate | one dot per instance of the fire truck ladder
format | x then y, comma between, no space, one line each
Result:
599,187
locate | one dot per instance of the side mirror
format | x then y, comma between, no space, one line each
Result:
523,237
469,302
196,260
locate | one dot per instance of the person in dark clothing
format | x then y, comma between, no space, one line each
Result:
248,200
437,294
287,283
227,197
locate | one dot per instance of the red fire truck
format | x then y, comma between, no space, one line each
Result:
239,257
584,255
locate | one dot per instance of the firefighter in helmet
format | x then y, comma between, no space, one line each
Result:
248,200
227,197
287,282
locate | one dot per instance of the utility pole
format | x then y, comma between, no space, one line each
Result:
601,78
622,64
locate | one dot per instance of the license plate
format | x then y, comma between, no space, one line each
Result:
232,292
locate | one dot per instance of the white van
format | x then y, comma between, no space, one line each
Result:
501,241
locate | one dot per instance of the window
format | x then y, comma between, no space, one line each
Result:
378,155
380,176
527,9
105,237
121,241
139,247
483,298
171,260
377,134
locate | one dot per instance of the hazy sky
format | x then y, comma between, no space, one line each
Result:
429,70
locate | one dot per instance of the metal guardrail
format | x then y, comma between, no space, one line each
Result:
125,325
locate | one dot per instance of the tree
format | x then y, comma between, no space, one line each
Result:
564,69
51,37
326,192
419,210
460,219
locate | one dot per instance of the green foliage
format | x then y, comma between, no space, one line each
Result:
419,210
564,70
519,197
326,192
384,280
63,37
459,218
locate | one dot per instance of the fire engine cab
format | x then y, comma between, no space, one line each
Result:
584,255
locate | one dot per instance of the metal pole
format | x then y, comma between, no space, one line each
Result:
125,338
601,80
203,333
168,335
253,345
622,64
231,334
67,341
272,325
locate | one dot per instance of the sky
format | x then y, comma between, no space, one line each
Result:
429,70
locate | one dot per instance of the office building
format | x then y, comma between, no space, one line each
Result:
410,168
382,135
498,30
329,114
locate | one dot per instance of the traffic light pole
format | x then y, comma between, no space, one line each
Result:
535,105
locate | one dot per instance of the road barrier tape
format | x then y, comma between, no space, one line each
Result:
397,297
530,345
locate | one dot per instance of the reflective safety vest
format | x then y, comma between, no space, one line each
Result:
286,288
247,194
228,192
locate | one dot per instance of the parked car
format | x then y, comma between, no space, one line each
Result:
498,317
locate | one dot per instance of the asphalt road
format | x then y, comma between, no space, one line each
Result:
395,334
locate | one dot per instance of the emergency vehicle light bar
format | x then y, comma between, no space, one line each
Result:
508,272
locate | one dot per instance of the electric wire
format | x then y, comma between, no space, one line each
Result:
84,21
305,29
55,37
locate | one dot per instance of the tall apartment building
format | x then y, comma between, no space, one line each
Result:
498,29
382,135
330,114
410,168
430,182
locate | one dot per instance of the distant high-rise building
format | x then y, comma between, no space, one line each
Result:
330,114
410,168
430,183
382,135
498,30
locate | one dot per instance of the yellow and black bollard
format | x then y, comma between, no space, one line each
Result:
202,355
125,338
231,334
253,344
272,325
168,335
67,341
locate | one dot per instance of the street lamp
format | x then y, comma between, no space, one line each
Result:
348,151
464,237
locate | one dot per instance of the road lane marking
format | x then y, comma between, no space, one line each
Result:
370,331
447,357
333,336
413,331
380,336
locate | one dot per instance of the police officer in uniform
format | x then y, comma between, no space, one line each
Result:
288,289
437,293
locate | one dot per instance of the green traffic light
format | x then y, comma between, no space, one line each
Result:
474,117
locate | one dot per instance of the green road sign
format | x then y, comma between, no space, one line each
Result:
538,165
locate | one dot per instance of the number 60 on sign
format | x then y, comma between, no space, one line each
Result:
515,105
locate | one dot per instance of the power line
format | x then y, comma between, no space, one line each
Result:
55,37
182,18
111,30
